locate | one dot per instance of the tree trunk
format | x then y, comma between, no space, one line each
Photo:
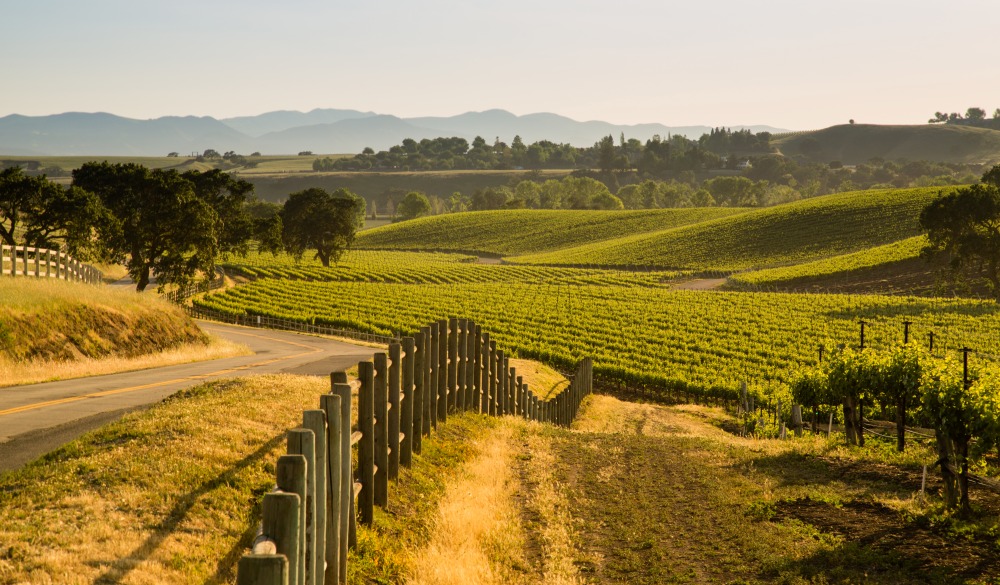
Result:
859,424
324,257
143,280
852,438
963,477
901,424
945,459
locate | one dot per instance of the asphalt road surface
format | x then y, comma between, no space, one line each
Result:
38,418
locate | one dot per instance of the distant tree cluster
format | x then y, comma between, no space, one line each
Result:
973,117
171,225
657,155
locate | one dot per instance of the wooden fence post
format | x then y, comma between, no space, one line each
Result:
315,421
291,477
426,366
348,519
366,446
470,367
406,410
797,419
452,362
395,371
418,391
382,446
303,442
280,516
463,364
486,406
331,405
434,369
477,368
494,379
444,367
519,396
503,385
262,570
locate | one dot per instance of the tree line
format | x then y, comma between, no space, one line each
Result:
169,225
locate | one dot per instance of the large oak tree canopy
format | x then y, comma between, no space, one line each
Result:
326,222
159,223
965,225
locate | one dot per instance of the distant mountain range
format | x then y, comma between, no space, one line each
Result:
324,131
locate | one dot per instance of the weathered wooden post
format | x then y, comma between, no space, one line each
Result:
335,554
519,396
432,387
342,390
452,363
462,365
280,522
366,446
511,387
487,373
393,427
477,368
406,399
444,367
470,366
502,372
262,570
797,419
315,421
382,446
418,394
303,442
291,477
426,366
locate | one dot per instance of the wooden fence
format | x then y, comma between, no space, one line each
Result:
45,263
451,366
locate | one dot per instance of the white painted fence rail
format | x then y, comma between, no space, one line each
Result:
45,263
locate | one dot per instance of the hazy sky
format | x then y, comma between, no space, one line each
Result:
797,64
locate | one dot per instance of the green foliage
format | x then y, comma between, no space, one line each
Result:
325,222
841,265
37,212
965,225
414,205
810,386
513,232
159,223
802,231
639,331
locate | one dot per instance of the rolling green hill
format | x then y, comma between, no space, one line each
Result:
523,231
858,143
777,236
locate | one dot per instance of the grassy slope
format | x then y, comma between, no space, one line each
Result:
513,232
787,234
56,320
854,144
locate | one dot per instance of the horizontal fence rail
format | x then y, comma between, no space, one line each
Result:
265,322
310,519
29,261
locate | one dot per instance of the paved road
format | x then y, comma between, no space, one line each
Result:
37,418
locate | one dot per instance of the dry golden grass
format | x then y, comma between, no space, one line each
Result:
169,495
20,373
477,524
544,381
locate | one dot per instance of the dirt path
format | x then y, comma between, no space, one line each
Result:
665,495
700,284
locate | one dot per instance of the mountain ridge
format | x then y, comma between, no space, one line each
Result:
289,131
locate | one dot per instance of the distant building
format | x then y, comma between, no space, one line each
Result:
744,165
